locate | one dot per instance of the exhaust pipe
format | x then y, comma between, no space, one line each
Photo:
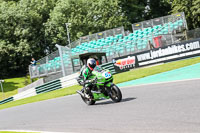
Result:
80,93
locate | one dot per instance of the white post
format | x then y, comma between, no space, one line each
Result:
61,59
2,89
67,24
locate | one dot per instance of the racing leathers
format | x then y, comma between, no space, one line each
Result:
83,80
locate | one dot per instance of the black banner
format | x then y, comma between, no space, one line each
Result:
165,54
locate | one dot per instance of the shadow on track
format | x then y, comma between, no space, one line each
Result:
111,102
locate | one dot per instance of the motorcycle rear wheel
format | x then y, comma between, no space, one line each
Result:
116,94
88,101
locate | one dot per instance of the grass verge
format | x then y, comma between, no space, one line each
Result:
11,86
118,78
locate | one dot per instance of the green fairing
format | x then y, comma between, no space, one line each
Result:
101,86
101,81
100,96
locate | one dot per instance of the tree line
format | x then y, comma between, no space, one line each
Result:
31,28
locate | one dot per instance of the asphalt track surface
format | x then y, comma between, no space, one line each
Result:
158,108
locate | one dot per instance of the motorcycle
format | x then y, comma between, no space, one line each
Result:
102,87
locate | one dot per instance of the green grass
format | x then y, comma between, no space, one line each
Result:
11,86
118,78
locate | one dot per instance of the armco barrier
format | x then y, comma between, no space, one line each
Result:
25,94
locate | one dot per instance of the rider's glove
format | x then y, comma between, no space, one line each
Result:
95,80
92,81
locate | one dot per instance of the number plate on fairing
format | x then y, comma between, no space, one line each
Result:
107,75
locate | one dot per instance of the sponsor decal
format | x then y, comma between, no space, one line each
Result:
107,74
170,50
124,63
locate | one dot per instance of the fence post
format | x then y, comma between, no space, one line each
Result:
30,72
186,35
185,22
61,59
2,89
123,30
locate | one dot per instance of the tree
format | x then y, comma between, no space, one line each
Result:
158,8
140,10
86,17
196,13
22,34
133,9
191,10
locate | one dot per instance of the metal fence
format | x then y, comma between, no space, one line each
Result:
192,34
75,43
161,21
104,34
59,63
45,66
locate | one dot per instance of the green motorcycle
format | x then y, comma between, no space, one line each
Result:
102,87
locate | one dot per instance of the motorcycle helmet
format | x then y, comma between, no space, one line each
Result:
91,63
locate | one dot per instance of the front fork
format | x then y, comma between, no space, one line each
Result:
108,87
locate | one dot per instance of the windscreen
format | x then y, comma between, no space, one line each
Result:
98,68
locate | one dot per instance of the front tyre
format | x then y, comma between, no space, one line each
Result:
115,94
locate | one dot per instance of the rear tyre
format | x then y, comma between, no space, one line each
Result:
115,94
88,101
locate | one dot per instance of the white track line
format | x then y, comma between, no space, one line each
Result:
35,131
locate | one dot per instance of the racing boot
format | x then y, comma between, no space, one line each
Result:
87,93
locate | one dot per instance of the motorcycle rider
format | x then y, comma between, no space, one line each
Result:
86,72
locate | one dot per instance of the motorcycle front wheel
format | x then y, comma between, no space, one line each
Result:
115,94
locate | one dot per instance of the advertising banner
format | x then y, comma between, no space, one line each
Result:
124,63
164,54
169,53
